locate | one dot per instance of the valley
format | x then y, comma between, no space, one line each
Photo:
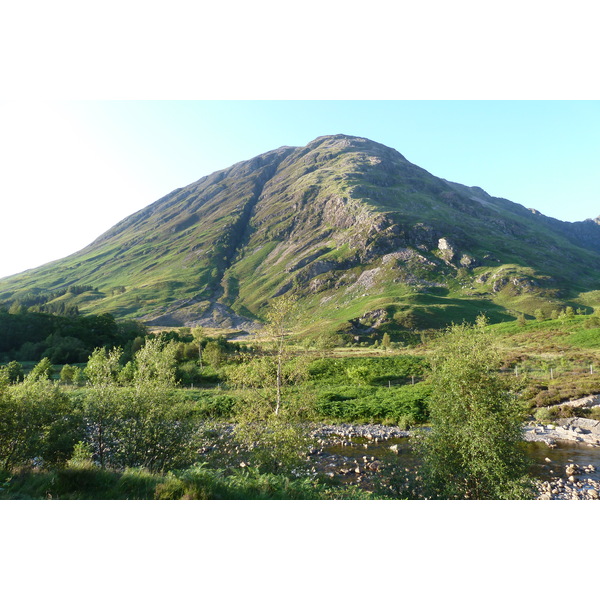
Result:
193,350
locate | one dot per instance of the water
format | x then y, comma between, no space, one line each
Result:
564,454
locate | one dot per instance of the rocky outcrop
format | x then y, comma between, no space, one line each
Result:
203,314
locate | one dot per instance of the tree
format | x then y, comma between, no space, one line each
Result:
272,425
592,322
15,371
386,342
155,363
43,370
100,407
474,447
103,367
199,337
214,354
153,429
278,319
70,374
141,425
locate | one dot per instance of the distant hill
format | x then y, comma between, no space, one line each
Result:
368,241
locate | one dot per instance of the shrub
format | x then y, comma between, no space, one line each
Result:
543,415
547,398
595,413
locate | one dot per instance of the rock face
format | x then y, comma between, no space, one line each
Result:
333,221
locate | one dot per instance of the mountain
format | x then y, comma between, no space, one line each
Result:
363,237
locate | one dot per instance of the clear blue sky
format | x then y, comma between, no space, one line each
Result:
74,169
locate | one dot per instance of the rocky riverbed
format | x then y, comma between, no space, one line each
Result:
358,454
575,485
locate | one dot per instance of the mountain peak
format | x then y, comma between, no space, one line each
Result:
341,142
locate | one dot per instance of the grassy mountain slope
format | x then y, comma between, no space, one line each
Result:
362,236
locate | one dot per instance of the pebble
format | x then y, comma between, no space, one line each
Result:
572,488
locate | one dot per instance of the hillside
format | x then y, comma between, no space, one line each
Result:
362,236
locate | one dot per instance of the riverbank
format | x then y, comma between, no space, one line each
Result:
578,430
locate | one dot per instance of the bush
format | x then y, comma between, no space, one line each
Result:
547,398
543,415
37,421
595,413
215,407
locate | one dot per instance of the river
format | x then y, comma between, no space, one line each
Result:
563,454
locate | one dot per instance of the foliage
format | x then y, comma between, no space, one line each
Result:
214,354
152,431
36,423
359,374
43,370
71,375
29,336
155,364
270,422
103,367
376,370
404,405
85,482
473,449
14,371
140,426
